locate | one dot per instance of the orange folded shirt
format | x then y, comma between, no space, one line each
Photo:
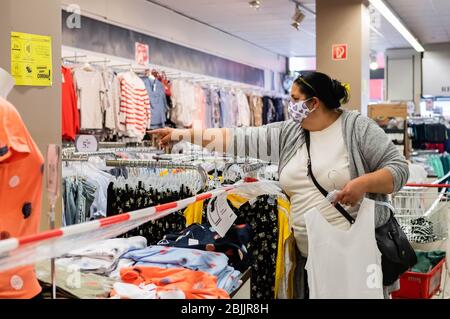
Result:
194,284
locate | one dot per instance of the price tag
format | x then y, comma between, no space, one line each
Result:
192,242
222,217
86,143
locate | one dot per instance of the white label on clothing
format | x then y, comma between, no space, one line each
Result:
14,181
16,282
222,217
192,242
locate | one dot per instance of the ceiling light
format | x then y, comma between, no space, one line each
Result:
373,62
297,18
255,4
374,65
397,24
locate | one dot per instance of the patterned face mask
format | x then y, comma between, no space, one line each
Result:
299,111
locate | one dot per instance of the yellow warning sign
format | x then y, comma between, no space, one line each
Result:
31,59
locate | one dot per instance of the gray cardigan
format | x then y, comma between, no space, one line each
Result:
368,146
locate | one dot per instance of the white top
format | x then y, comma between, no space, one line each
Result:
244,109
344,264
89,85
330,166
184,105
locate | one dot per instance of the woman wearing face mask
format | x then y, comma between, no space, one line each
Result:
349,152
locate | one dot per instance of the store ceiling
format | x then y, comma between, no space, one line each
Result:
269,27
428,20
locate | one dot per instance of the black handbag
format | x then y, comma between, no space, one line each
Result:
397,254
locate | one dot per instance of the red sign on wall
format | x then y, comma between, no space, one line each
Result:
142,56
340,52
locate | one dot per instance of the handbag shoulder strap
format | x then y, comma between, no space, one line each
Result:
341,209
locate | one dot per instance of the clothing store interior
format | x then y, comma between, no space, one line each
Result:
202,149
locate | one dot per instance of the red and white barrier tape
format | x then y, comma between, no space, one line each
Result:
429,185
158,211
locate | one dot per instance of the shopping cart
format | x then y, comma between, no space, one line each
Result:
422,211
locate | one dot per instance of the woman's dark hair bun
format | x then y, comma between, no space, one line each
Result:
340,92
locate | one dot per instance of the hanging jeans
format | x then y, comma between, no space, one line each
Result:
78,198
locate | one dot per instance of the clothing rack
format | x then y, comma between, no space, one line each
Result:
246,167
84,156
425,152
126,64
157,164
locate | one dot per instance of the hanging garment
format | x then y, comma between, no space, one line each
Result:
226,104
194,284
208,108
435,162
344,264
203,237
70,123
21,173
285,263
216,109
243,110
158,102
199,113
78,196
213,263
261,215
286,109
269,114
84,193
234,108
194,213
256,107
435,146
111,99
89,85
279,109
184,109
122,200
433,133
134,106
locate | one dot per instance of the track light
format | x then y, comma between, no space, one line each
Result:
255,4
297,18
374,65
373,62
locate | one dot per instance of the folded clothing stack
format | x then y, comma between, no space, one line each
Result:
101,258
173,283
213,263
203,237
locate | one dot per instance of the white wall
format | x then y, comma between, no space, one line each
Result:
151,19
436,70
415,71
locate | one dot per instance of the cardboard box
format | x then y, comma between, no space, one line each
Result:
386,110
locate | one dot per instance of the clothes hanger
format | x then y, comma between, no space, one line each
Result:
87,67
327,201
